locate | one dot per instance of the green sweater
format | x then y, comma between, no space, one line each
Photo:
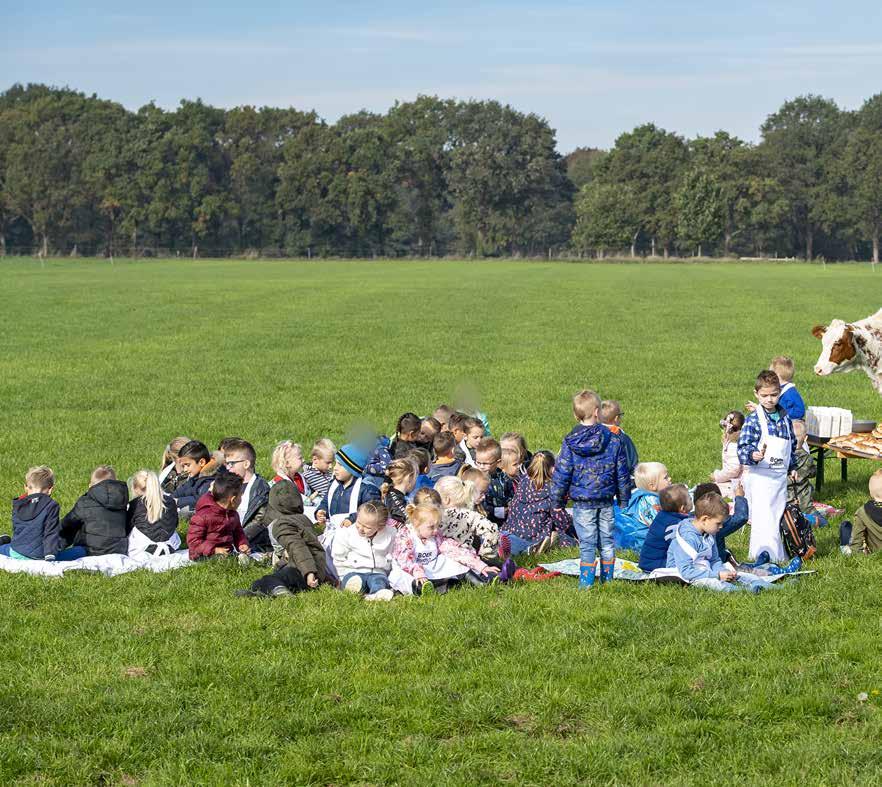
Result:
866,534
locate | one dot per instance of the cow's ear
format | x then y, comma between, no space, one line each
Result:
818,331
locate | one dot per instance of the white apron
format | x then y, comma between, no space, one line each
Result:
138,544
766,492
435,565
163,474
326,539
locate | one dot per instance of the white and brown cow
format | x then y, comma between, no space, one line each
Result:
847,346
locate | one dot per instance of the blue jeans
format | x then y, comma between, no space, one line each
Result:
71,553
370,583
594,525
518,544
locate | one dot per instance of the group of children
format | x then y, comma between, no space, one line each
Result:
443,503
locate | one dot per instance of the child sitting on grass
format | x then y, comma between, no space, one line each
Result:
693,551
36,529
196,461
426,561
533,524
865,534
347,491
402,474
462,523
592,470
675,507
445,462
632,523
318,473
733,522
422,459
299,560
480,482
800,489
362,554
473,431
287,464
239,459
732,467
215,528
97,522
171,476
500,490
152,518
515,441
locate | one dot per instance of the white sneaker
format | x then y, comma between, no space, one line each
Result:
244,559
845,550
353,584
381,595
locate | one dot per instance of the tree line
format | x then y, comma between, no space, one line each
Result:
431,177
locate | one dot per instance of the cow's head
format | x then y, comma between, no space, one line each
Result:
838,353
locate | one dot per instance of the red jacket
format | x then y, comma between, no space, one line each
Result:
212,527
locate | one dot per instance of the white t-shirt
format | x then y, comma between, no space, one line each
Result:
246,498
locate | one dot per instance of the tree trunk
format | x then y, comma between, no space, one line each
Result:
809,243
634,245
600,253
2,244
44,246
727,243
652,252
134,251
699,250
665,251
876,247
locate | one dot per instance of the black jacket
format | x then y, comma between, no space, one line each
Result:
98,520
190,491
36,531
260,491
158,531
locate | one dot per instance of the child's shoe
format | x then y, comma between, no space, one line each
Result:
587,572
386,594
507,571
5,539
354,584
281,592
790,568
761,559
244,559
607,569
427,588
846,550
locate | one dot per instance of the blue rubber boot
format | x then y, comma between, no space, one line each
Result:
607,567
587,572
792,567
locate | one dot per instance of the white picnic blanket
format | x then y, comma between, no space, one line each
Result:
109,565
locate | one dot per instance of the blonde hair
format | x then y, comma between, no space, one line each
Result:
170,454
145,484
278,461
782,365
425,494
40,477
799,431
399,470
455,493
585,403
875,485
510,459
519,440
102,473
540,469
324,447
647,472
420,512
487,445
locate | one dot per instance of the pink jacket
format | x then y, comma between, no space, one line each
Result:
403,553
731,466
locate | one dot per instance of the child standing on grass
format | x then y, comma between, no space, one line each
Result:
592,471
426,561
152,518
768,447
534,525
732,468
790,400
362,554
215,528
97,522
36,529
611,417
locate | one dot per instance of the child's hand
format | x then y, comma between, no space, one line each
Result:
346,523
246,549
727,575
221,551
757,456
321,517
489,571
312,580
794,476
738,490
750,407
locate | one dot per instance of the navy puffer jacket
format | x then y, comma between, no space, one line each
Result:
36,531
592,469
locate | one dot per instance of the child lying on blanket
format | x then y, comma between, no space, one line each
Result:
693,551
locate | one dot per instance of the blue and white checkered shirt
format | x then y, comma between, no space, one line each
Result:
751,434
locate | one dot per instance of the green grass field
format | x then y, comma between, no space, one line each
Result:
169,679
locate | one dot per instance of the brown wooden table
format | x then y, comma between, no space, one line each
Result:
821,447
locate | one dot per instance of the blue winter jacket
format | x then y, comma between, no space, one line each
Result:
700,543
36,530
655,548
592,469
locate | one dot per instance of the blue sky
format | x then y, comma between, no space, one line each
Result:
592,69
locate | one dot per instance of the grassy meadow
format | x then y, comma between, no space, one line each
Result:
169,679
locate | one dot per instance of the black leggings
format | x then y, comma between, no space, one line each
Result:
286,577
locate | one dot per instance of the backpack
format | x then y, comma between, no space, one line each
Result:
796,531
